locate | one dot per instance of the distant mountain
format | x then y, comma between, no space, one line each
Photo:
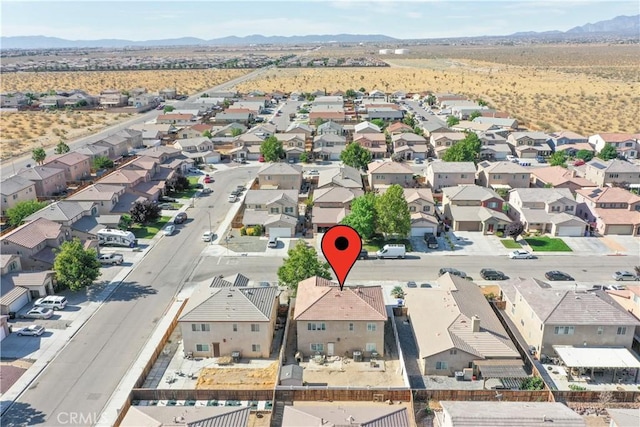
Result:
619,24
43,42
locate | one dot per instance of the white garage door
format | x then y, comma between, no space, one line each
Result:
419,231
19,303
575,231
279,232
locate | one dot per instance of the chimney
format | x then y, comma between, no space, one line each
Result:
475,324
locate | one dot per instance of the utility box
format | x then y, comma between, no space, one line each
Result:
357,356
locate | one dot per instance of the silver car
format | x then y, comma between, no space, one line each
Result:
38,313
625,275
33,330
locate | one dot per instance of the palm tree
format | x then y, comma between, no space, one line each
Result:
397,292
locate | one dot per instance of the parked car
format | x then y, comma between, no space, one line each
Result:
208,236
273,242
392,251
491,274
261,158
38,313
169,230
578,162
32,330
180,218
198,186
412,284
598,288
431,240
167,206
314,172
167,199
193,170
453,271
521,254
206,191
418,161
113,259
557,275
425,285
625,275
54,302
364,254
207,180
541,159
232,198
616,287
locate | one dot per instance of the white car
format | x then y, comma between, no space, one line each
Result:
169,230
314,172
38,313
521,254
207,236
625,275
33,330
233,198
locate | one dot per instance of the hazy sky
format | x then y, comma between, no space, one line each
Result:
157,19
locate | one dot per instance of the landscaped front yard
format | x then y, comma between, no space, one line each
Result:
377,243
147,231
547,244
510,244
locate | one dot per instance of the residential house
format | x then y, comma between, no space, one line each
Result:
330,127
34,242
155,416
263,130
398,127
194,145
52,101
293,145
494,147
467,126
609,210
153,134
323,100
626,144
137,182
523,414
105,196
177,119
243,116
222,319
331,205
611,172
529,144
429,127
18,288
384,174
547,210
508,123
463,330
422,210
282,176
194,131
14,190
548,316
163,154
567,137
361,414
343,176
366,127
338,322
9,263
441,141
168,93
409,146
81,99
506,175
558,177
76,166
375,143
113,98
383,112
473,208
572,149
48,181
228,130
13,100
621,417
328,146
449,174
118,146
94,151
276,210
300,128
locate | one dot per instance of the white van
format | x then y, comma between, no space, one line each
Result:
54,302
392,251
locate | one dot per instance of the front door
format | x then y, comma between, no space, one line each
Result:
330,348
216,349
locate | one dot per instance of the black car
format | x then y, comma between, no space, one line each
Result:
364,254
198,185
167,199
412,285
557,275
425,285
180,218
431,240
491,274
452,271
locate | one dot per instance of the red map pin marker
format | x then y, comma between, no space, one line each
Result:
341,246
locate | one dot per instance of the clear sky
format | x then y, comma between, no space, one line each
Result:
159,19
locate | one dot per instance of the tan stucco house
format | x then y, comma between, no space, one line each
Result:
281,176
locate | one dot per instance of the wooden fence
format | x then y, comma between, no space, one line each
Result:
192,394
596,396
293,394
484,395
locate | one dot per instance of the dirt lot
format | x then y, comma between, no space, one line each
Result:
238,378
353,375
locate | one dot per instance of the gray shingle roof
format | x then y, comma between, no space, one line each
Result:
15,184
39,173
60,211
452,167
200,416
469,192
280,169
229,304
270,196
546,195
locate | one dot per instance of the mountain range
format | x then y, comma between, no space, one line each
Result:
620,25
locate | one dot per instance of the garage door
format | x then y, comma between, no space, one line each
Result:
279,232
419,231
569,231
20,302
2,334
620,229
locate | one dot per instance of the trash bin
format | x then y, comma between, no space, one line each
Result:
12,315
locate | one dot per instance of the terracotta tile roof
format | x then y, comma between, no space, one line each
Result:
321,299
174,117
389,167
34,233
618,137
69,159
609,195
39,173
557,175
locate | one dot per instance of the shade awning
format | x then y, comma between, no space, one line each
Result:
499,186
496,368
597,357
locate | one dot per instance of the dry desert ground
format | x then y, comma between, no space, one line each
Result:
238,378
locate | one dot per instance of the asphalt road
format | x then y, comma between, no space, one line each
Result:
87,371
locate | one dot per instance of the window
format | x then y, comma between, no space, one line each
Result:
317,347
351,328
513,309
412,208
453,351
320,326
255,327
235,327
255,347
426,208
622,330
463,176
202,347
288,210
442,365
600,330
568,208
275,210
15,196
197,327
564,330
555,208
371,327
371,346
492,205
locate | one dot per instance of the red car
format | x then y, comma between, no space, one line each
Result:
578,162
207,180
261,159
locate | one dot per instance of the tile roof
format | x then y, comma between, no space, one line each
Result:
124,176
5,259
336,195
98,192
270,196
557,175
389,168
502,167
345,414
413,194
546,195
280,168
39,173
409,137
201,416
614,165
320,215
93,150
452,167
71,158
15,184
366,127
470,192
60,211
237,280
619,137
609,195
34,233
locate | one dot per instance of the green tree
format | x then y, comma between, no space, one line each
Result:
39,155
301,263
102,162
397,292
75,266
363,90
272,149
532,383
362,216
559,158
409,120
418,131
178,183
431,99
474,115
482,103
393,217
62,148
356,156
514,229
585,155
350,93
168,109
207,134
144,211
466,150
236,132
378,122
22,210
304,157
452,121
608,152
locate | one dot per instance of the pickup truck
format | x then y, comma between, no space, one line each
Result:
113,259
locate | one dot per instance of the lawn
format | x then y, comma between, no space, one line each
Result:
147,231
377,243
186,194
193,180
547,244
510,244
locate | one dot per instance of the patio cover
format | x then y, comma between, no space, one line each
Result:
496,368
597,357
499,186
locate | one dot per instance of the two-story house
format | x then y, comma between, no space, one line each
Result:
330,127
610,210
375,143
137,182
422,210
235,115
18,288
366,127
409,145
336,322
505,175
449,174
494,146
331,205
14,190
118,146
105,196
626,144
473,208
177,119
48,181
275,210
547,210
113,98
463,330
34,242
293,145
385,174
197,144
328,146
611,172
558,177
76,166
220,319
300,129
343,176
398,127
441,141
529,144
94,151
282,176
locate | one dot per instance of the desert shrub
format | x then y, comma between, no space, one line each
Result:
575,387
499,233
243,231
